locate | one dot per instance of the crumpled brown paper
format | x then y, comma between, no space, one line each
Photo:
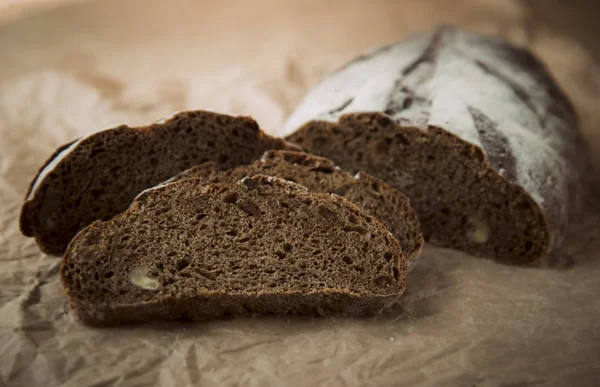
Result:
463,321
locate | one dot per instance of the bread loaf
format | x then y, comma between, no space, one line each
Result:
98,176
319,174
188,251
473,129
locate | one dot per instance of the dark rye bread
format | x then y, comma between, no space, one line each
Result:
98,176
319,174
472,129
188,251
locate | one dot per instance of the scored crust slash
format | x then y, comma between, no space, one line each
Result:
472,129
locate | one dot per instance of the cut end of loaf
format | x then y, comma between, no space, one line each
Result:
461,201
448,107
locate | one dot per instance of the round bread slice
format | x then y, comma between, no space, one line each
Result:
97,177
472,129
319,174
188,251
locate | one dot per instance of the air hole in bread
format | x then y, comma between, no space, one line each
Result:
348,260
383,281
365,247
249,183
182,264
325,212
231,198
358,229
388,256
96,193
383,147
249,208
322,169
376,187
401,140
96,151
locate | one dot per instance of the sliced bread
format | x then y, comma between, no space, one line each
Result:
472,129
98,176
188,251
319,174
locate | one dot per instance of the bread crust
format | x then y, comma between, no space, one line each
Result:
495,101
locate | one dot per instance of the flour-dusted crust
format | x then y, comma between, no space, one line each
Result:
480,89
98,176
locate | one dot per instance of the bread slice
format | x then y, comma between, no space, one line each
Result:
472,129
188,251
319,174
98,176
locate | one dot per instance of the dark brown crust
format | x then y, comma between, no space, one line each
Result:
56,191
214,305
392,208
52,156
95,244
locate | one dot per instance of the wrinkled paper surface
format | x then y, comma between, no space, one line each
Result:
463,321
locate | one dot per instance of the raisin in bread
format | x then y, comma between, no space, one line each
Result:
98,176
264,245
472,129
319,174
